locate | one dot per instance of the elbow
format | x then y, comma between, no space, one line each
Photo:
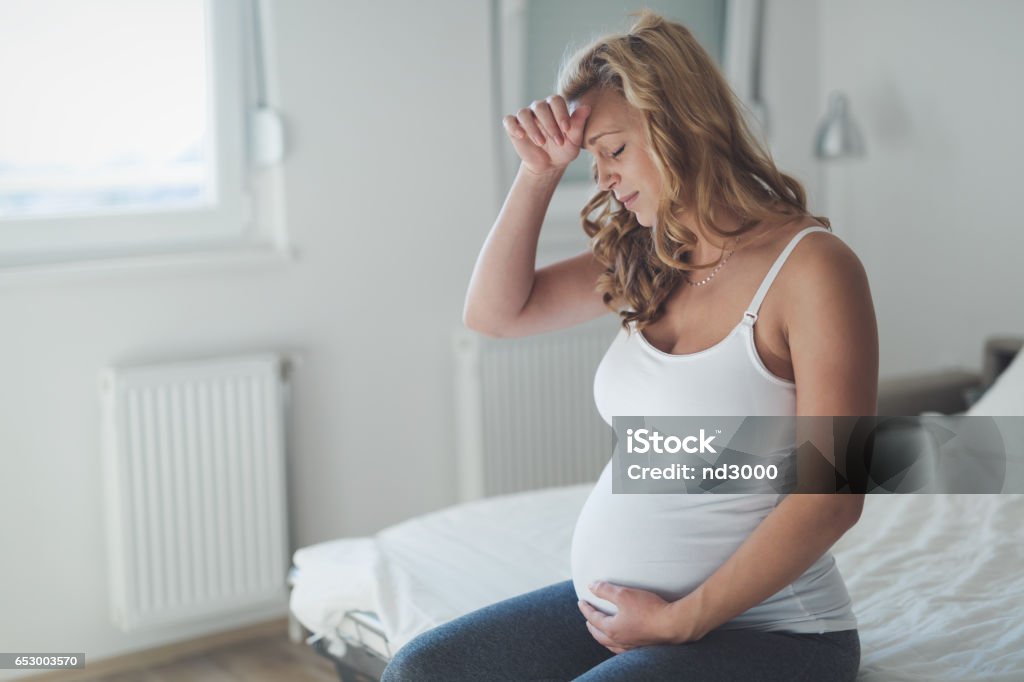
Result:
848,509
474,323
838,512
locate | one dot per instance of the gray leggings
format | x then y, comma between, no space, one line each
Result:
541,636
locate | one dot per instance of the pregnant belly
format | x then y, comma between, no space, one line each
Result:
667,544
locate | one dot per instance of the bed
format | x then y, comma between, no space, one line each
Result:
936,580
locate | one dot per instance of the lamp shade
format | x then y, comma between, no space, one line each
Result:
838,136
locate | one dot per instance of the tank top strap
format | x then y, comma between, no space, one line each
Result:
750,316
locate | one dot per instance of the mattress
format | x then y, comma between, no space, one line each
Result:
936,580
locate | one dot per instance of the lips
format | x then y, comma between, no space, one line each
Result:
627,201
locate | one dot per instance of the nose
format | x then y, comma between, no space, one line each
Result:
606,180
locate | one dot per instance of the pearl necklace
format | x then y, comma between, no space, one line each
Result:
725,259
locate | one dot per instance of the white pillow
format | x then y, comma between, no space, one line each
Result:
1005,398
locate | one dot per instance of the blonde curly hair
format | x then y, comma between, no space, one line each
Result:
702,147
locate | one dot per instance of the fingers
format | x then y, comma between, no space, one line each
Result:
608,591
604,640
513,128
597,623
546,121
542,121
528,122
594,616
577,122
538,134
560,111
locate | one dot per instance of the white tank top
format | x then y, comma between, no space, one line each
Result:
670,543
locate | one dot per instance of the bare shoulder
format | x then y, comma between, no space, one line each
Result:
822,260
824,285
830,328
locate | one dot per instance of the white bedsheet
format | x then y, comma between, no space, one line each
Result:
457,560
936,581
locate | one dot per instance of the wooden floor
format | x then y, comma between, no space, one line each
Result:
269,658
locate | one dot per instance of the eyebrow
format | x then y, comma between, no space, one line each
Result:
592,140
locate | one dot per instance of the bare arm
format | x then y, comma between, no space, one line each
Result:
833,342
507,296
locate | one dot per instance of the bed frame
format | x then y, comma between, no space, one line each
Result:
353,658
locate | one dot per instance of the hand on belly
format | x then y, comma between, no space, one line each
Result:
641,618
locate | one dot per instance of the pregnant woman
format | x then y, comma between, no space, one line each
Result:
734,300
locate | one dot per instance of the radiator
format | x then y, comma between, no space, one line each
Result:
195,475
525,410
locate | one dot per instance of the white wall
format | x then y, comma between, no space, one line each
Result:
390,194
933,210
791,73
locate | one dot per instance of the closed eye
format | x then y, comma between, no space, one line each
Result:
614,155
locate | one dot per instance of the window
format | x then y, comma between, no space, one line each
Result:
124,129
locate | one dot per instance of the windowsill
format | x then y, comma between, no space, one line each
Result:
101,269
